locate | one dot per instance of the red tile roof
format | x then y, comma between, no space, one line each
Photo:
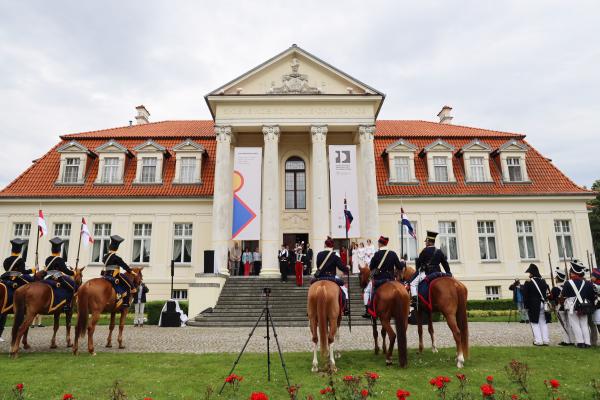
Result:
38,181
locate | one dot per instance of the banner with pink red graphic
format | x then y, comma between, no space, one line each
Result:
247,185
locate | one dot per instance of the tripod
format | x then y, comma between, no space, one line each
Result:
266,313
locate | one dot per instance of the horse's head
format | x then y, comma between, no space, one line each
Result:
364,276
136,276
407,273
78,275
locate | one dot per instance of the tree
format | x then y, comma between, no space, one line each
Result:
595,219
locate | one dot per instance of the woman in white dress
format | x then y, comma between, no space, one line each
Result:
361,255
355,258
369,252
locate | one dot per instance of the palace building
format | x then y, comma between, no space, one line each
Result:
167,187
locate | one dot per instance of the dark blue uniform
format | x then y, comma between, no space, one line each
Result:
58,265
19,265
532,298
115,260
388,267
586,289
125,286
430,259
331,265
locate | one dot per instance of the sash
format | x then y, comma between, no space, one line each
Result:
325,260
50,263
378,269
13,264
546,305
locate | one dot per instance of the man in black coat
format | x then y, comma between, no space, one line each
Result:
535,293
576,292
55,262
428,263
561,314
112,267
328,262
308,258
284,262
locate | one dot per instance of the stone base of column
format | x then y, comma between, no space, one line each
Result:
270,262
221,262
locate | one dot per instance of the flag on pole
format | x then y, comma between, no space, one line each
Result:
42,228
348,216
86,236
406,222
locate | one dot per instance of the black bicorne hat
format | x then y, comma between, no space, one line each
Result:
577,268
115,241
560,274
17,245
533,270
56,243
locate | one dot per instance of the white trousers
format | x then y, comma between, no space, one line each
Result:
596,317
139,314
540,330
567,331
414,285
579,326
367,294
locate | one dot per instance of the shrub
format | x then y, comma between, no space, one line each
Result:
153,309
504,304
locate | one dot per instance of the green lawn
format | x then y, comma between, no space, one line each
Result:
48,320
186,376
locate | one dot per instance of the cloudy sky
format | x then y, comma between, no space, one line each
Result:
530,67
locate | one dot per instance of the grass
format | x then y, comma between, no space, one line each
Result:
186,376
48,320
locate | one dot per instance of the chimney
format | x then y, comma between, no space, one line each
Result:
142,116
444,114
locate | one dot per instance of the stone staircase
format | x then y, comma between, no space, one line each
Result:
241,302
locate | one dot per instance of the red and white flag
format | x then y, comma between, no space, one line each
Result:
42,228
86,236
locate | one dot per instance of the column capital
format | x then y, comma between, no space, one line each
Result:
223,133
271,132
318,133
366,132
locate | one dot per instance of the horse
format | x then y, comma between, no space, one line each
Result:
95,297
448,296
325,318
36,298
391,301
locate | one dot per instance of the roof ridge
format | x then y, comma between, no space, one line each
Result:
75,134
459,126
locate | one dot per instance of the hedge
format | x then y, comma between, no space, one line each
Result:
153,309
504,304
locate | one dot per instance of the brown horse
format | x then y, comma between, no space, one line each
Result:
448,296
391,301
33,299
95,297
325,318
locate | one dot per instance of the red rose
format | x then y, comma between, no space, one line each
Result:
445,379
348,378
514,397
487,390
258,396
402,394
461,377
372,375
364,393
19,387
147,398
490,378
554,383
67,396
326,390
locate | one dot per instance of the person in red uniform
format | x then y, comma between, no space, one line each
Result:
299,265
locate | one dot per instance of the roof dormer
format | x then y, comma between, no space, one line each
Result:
439,161
188,162
73,160
476,159
150,157
401,162
513,162
111,165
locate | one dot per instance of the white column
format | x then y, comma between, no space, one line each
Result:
222,198
270,235
320,188
370,222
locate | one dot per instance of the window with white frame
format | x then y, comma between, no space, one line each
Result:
402,168
148,170
22,230
71,172
492,293
448,240
486,231
562,229
515,173
110,174
187,172
142,234
477,169
409,243
182,243
101,241
63,231
179,294
440,168
526,240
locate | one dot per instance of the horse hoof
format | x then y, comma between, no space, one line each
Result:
93,354
108,345
53,346
434,350
26,346
314,368
388,362
121,346
338,356
69,345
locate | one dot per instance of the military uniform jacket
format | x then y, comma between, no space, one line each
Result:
331,265
115,260
430,259
388,267
58,265
532,299
586,289
19,265
309,256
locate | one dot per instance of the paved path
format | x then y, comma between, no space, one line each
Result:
218,340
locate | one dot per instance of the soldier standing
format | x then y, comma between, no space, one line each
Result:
568,339
576,292
596,283
535,292
428,262
284,262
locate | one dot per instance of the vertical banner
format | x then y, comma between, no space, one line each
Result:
247,185
343,184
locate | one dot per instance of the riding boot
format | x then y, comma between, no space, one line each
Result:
366,314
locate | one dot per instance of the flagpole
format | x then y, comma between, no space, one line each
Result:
402,233
79,245
347,259
37,241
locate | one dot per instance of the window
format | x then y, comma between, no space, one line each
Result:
22,231
179,294
492,293
448,241
295,184
487,240
71,173
477,170
525,237
111,170
562,228
182,243
148,170
141,243
409,243
401,164
187,173
515,174
63,231
440,168
101,241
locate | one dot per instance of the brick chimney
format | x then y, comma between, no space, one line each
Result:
444,114
142,116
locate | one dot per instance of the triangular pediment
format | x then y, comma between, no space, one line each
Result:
295,71
149,147
476,146
112,146
439,145
513,146
72,147
189,146
401,146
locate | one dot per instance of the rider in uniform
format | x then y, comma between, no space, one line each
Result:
56,263
428,262
328,262
112,267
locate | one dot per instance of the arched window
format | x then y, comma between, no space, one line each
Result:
295,184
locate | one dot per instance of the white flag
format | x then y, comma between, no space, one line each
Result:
42,228
86,236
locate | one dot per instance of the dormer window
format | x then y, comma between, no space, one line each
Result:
401,162
402,167
111,171
439,161
476,170
440,168
515,174
148,170
73,158
512,160
187,170
112,163
150,156
188,162
71,172
476,156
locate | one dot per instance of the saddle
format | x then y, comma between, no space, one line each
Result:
9,282
340,283
426,285
62,292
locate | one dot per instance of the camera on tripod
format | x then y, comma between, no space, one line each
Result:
267,291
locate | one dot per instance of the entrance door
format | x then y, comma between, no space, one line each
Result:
292,238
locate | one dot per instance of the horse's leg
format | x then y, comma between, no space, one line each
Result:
375,335
315,340
430,327
111,326
385,322
420,330
22,335
337,354
383,340
56,323
460,359
91,329
121,326
68,319
331,338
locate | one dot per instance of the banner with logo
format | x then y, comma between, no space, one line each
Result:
247,185
343,184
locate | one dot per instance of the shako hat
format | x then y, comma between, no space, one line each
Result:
115,241
560,274
533,270
56,243
431,235
383,240
577,268
329,242
17,245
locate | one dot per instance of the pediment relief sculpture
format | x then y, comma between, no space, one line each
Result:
294,83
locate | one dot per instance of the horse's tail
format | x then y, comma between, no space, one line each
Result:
19,310
401,318
82,312
322,320
461,319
